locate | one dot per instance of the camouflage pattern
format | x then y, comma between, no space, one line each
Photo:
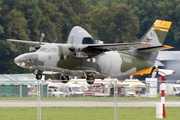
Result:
75,62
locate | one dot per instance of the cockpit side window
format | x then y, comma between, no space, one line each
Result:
54,49
49,50
43,49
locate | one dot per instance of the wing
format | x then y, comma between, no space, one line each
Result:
26,42
117,46
89,50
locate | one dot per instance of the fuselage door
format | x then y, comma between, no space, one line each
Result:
104,64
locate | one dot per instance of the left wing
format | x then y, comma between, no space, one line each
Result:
26,42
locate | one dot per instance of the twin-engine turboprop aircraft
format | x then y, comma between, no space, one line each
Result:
80,56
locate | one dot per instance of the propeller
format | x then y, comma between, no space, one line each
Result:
32,49
41,39
72,48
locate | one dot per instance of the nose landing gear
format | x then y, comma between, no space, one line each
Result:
38,74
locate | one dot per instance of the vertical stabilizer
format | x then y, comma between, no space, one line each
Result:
79,36
157,33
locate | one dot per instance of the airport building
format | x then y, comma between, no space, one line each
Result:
21,85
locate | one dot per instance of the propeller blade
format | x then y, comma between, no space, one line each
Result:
41,39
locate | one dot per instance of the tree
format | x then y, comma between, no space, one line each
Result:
16,25
51,21
32,14
1,28
8,52
114,24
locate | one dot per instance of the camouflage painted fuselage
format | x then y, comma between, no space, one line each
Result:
110,63
58,58
84,57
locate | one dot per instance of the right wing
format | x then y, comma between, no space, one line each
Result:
116,46
26,42
89,50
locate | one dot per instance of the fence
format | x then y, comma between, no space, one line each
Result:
80,101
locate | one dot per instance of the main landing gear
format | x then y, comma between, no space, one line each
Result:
89,78
64,79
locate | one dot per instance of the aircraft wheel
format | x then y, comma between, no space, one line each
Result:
38,76
90,80
64,79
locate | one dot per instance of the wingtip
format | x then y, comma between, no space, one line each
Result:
168,47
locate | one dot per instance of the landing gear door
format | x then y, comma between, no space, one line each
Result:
104,64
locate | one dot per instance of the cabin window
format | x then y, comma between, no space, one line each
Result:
88,60
94,60
54,50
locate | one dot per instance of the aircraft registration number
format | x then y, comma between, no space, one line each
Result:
128,60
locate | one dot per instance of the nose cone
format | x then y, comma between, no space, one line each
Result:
21,60
16,60
25,60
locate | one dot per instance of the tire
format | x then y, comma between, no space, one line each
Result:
39,76
90,80
64,79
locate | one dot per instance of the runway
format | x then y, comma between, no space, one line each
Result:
55,103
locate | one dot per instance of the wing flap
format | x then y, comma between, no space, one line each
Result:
154,48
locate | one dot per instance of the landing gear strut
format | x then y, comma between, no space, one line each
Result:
64,79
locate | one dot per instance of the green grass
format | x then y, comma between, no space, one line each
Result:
92,98
86,113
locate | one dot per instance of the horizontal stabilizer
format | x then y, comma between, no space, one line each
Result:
142,72
168,55
158,63
154,48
